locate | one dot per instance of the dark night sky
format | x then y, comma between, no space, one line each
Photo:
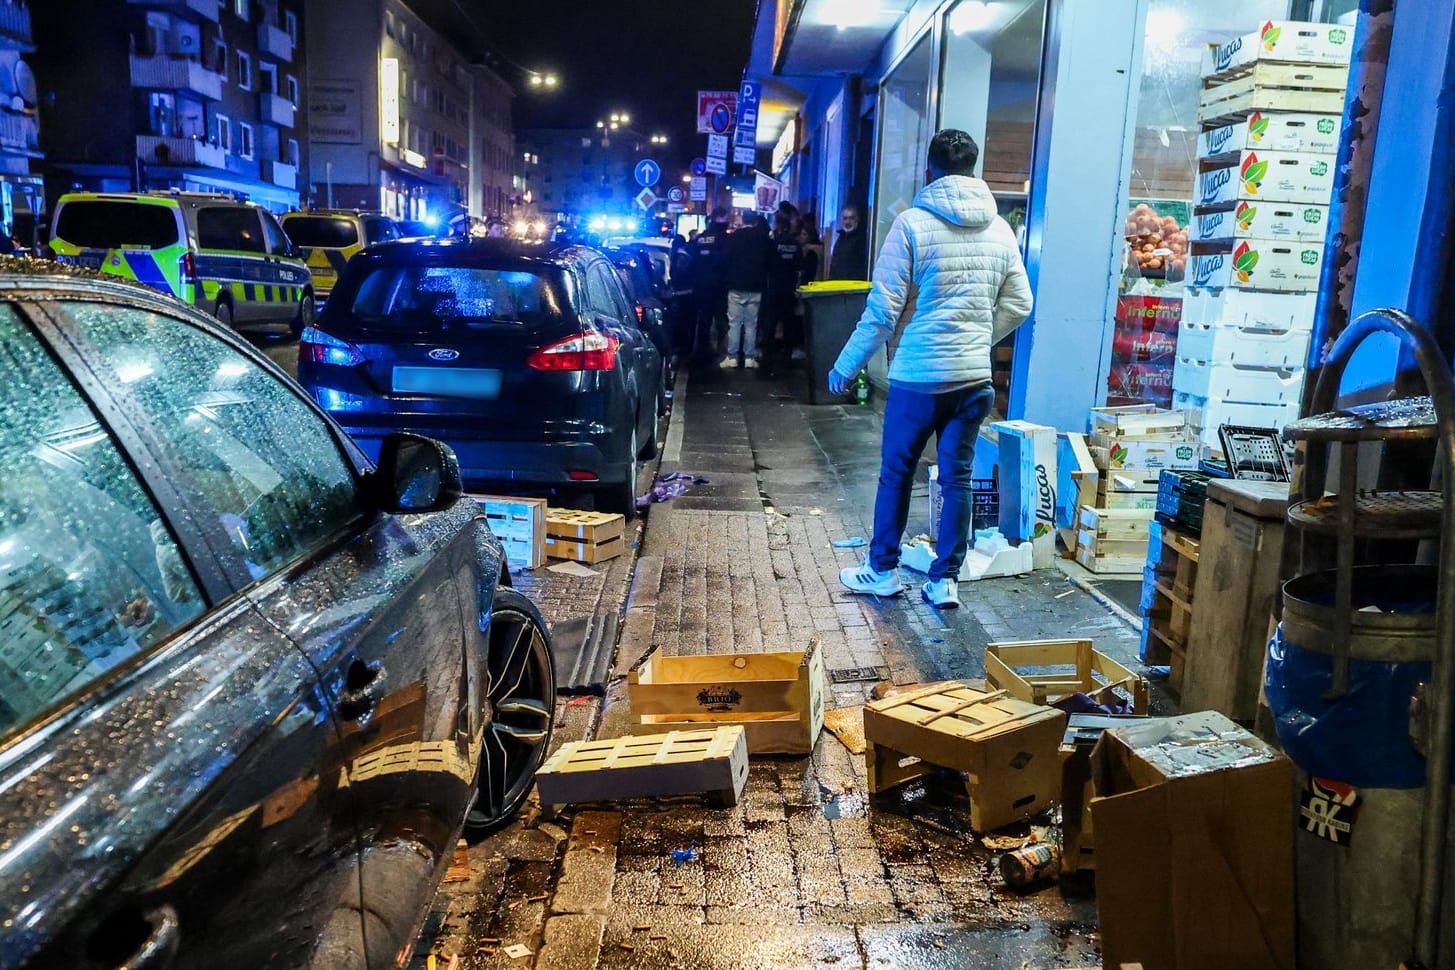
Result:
647,57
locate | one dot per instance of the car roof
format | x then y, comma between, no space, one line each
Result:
479,251
191,200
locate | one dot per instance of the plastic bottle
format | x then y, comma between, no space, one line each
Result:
861,390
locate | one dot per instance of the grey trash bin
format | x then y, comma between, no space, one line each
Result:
830,310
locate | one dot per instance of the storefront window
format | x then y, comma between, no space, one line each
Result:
906,128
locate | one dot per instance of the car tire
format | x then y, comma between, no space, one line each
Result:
622,496
223,313
522,695
307,310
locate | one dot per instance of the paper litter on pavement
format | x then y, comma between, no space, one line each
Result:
517,950
572,569
847,724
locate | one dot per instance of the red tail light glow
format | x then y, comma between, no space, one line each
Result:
317,347
641,313
580,475
590,351
189,268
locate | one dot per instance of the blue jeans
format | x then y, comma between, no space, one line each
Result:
909,420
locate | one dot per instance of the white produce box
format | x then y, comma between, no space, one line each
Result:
1266,176
1210,414
1282,40
1235,307
1276,131
1236,383
1263,220
1260,264
1246,346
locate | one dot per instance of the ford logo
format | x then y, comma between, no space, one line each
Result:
444,353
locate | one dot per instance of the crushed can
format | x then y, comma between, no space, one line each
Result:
1029,865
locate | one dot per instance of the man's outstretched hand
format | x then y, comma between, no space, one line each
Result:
838,383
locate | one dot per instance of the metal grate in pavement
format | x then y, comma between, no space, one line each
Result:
855,675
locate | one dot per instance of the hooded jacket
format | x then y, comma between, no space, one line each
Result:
948,285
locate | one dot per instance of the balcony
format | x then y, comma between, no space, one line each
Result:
275,110
275,42
15,26
210,10
19,135
280,174
175,74
158,150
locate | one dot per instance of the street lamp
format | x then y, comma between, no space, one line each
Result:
659,139
538,80
687,178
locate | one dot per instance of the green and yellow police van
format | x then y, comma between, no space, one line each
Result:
229,257
328,238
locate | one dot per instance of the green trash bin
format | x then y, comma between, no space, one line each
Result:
831,308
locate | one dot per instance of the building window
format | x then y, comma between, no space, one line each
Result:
293,90
219,56
245,140
222,132
267,78
290,24
294,155
244,70
243,8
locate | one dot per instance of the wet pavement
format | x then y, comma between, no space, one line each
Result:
806,870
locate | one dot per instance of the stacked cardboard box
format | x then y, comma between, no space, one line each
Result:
1271,112
520,525
588,537
1130,446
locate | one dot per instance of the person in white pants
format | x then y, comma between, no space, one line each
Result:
745,270
742,313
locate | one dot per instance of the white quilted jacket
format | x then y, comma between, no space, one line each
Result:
948,284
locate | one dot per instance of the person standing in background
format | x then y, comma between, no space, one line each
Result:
810,269
850,259
785,265
708,292
745,273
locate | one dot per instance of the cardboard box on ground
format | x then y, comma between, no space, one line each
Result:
1194,826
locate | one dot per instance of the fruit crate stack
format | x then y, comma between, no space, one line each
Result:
1130,446
1271,112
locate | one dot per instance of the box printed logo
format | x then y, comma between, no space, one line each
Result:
1269,35
1207,268
1325,126
1245,215
1212,182
1329,810
719,699
1223,56
1319,169
1309,257
1257,126
1253,171
1313,215
1338,35
1245,258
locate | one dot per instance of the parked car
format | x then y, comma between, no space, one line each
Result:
327,238
658,248
645,292
227,257
530,363
252,688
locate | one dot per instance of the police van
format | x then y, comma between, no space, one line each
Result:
328,238
229,257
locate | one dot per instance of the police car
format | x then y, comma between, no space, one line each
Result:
229,257
328,238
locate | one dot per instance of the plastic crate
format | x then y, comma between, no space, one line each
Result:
1181,495
985,503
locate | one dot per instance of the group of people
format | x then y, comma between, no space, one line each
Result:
741,285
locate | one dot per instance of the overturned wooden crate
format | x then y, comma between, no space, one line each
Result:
778,698
1045,671
712,761
1007,746
588,537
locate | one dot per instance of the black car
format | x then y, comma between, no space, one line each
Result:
250,685
645,291
530,363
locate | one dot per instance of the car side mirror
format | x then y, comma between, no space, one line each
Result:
416,474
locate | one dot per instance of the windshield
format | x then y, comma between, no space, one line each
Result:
437,297
113,225
325,232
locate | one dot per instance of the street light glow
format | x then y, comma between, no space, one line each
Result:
536,80
626,119
551,80
687,178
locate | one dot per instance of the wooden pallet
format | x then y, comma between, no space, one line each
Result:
1066,667
1170,619
1007,747
713,762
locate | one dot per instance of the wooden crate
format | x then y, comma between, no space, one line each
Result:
1169,619
712,761
1078,667
1112,540
520,526
1138,421
581,551
1235,104
1277,78
1007,746
777,697
580,526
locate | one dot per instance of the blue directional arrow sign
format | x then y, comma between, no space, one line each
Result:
699,166
648,173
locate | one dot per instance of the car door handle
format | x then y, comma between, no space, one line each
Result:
160,946
363,686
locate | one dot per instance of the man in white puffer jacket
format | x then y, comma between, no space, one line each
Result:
948,285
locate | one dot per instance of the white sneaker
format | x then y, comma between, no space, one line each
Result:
797,355
727,362
864,578
751,362
942,594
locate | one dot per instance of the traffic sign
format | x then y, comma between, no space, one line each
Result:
676,208
646,198
717,165
647,173
697,191
717,147
750,94
745,155
675,195
720,119
699,166
714,109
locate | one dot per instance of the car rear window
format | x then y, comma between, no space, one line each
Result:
113,225
437,297
327,232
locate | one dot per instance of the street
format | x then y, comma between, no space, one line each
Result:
808,870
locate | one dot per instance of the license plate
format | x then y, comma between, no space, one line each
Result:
481,385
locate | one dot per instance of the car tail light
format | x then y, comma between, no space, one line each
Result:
188,265
641,313
590,351
580,475
317,347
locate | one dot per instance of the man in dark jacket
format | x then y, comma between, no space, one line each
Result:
850,260
745,271
783,276
707,252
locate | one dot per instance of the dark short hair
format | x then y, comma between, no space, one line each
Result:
718,214
953,152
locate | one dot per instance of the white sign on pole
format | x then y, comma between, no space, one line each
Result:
646,198
768,191
716,165
716,111
745,155
717,147
697,191
676,208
